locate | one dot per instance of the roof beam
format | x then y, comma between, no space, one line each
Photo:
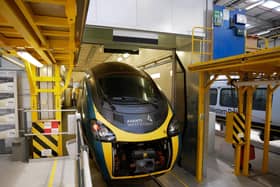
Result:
62,57
56,2
27,12
51,21
10,12
8,30
3,22
55,33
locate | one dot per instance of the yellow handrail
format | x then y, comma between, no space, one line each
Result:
203,40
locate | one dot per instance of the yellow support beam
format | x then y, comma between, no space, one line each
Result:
55,33
10,13
58,114
51,21
45,79
200,128
246,153
46,90
27,12
8,30
30,70
210,82
240,61
62,57
267,127
55,2
68,78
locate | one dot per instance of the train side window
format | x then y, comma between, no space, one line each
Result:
228,97
259,99
213,96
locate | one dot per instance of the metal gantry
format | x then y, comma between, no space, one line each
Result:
257,68
50,30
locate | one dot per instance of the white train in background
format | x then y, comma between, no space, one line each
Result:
224,98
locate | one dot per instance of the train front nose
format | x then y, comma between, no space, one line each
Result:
126,160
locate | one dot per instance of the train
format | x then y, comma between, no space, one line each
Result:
224,98
128,122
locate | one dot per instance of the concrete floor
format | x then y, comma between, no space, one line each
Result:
37,173
44,172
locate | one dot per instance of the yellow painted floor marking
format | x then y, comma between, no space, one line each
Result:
178,179
50,184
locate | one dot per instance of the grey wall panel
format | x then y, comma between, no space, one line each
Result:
189,139
165,80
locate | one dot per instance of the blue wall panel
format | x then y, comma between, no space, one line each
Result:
226,42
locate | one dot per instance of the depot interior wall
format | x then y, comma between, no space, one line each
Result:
164,80
23,95
189,138
170,16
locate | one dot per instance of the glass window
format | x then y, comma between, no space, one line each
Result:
259,99
130,88
213,96
228,97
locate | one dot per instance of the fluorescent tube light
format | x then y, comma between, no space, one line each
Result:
270,4
29,58
120,59
263,32
155,76
125,55
254,5
135,34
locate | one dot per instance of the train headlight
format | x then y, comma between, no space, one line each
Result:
101,132
173,128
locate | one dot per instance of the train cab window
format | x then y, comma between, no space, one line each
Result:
228,97
213,96
259,99
129,88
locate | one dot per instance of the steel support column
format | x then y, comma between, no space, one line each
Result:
246,153
237,156
200,129
57,95
267,127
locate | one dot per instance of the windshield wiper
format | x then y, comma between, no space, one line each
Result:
134,99
105,98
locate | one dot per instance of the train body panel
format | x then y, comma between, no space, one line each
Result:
132,133
223,98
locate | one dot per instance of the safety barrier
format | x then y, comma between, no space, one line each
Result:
83,157
40,137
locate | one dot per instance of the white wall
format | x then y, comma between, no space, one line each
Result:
165,80
170,16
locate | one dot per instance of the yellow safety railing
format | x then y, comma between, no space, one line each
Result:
265,40
202,41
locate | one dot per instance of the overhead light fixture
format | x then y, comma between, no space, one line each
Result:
155,76
119,59
29,58
277,9
263,32
271,4
13,61
253,1
120,35
125,55
254,5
